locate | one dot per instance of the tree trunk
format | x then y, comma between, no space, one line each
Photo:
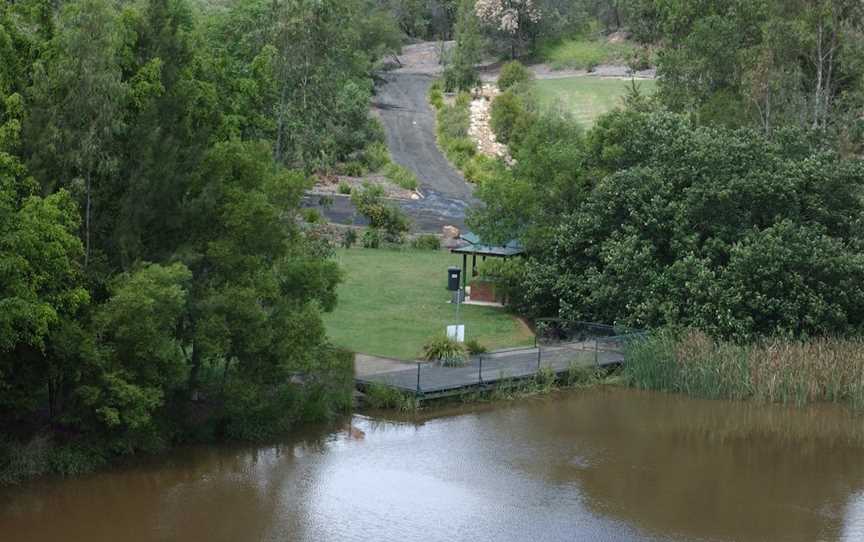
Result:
87,214
194,371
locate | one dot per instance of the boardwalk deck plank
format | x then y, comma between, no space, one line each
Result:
497,366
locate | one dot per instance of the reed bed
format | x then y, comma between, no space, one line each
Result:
774,370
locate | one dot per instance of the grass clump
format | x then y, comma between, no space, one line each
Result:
774,370
475,348
344,188
401,175
444,349
380,396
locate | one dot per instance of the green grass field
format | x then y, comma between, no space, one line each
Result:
586,98
392,301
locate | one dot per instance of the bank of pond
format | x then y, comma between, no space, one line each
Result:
606,462
799,374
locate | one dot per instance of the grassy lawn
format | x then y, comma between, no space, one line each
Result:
392,301
586,98
584,53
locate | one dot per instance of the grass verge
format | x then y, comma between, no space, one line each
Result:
452,124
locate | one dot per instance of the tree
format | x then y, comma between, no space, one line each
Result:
513,19
461,73
142,361
40,275
720,230
77,98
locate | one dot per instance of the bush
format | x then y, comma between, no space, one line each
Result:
481,169
513,74
401,175
464,99
460,77
325,201
372,238
426,242
639,60
312,216
449,352
344,188
475,348
436,98
376,156
349,238
353,168
506,111
370,203
460,150
383,396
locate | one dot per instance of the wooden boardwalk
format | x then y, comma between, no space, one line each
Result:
430,380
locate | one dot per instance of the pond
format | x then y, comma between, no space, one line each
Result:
601,464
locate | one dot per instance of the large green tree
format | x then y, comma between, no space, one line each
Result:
76,104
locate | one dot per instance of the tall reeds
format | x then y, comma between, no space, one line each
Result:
775,370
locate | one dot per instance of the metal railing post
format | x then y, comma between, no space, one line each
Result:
418,378
596,353
538,358
480,372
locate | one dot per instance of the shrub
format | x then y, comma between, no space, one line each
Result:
464,99
426,242
401,175
459,151
444,349
460,77
436,98
639,60
506,111
325,201
371,238
376,156
512,74
344,188
481,169
383,396
349,238
370,203
453,122
475,348
353,168
312,216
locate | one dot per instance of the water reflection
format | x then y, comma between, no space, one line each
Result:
605,464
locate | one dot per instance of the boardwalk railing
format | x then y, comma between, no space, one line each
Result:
430,379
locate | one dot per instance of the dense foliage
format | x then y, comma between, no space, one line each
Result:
154,284
655,220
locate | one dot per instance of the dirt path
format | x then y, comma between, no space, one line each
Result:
401,102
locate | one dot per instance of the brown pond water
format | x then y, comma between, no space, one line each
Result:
606,464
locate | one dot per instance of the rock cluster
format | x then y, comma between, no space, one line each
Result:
481,129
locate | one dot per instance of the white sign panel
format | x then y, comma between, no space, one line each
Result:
456,333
